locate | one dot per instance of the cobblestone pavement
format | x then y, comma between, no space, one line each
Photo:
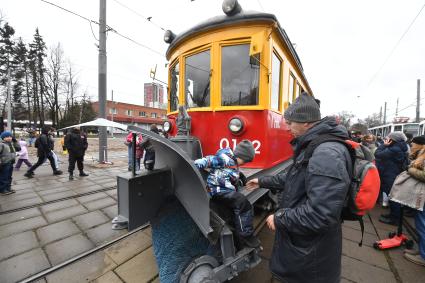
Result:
50,220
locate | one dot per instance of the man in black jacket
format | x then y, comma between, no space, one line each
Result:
308,235
76,144
44,147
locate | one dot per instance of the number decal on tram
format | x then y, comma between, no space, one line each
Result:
224,142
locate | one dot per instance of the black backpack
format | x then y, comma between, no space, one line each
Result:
37,142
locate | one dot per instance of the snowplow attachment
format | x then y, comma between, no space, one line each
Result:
187,182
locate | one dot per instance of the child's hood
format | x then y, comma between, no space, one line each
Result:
22,143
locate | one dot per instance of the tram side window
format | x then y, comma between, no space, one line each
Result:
239,76
174,88
298,90
398,128
276,69
197,76
291,92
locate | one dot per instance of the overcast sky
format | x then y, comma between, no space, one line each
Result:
342,44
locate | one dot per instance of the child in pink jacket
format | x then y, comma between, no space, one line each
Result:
23,155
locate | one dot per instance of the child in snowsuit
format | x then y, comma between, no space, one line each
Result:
8,148
222,185
23,155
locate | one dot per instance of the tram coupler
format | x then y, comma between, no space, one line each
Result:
141,196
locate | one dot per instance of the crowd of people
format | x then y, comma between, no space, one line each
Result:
13,151
308,220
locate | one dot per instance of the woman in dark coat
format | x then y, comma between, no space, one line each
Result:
391,160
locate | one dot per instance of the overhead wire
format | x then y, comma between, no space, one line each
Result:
149,19
407,107
108,28
261,6
395,47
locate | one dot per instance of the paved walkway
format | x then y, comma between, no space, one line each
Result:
50,219
48,222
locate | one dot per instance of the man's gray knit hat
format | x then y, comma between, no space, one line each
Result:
397,136
245,151
304,110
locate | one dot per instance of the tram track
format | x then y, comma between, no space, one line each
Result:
56,200
259,222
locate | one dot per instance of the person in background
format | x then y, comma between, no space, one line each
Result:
391,160
379,140
32,137
76,144
128,143
223,183
149,160
64,150
52,147
369,141
139,151
23,155
409,137
44,150
417,171
8,149
356,136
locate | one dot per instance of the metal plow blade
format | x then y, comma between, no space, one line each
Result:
188,184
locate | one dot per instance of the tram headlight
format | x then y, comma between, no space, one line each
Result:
169,36
231,7
235,125
167,126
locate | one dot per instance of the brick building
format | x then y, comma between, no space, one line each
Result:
154,95
131,114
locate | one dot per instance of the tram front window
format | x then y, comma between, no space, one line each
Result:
174,88
239,76
197,85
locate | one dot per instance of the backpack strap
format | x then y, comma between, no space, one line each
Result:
332,138
326,138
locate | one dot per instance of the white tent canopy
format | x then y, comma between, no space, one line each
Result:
100,122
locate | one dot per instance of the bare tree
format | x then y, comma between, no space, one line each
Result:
55,76
71,87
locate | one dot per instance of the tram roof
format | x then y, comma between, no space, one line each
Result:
241,17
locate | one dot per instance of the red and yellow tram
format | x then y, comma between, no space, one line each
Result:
235,74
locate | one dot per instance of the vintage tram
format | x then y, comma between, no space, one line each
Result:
230,78
235,74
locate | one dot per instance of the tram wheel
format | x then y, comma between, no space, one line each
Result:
203,273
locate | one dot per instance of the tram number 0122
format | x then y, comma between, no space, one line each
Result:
232,144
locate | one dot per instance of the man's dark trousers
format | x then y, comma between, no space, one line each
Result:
72,159
41,160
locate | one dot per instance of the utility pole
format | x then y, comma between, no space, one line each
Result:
380,116
103,139
418,101
112,112
385,113
9,103
396,109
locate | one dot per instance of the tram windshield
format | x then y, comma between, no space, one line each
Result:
197,75
174,88
239,76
